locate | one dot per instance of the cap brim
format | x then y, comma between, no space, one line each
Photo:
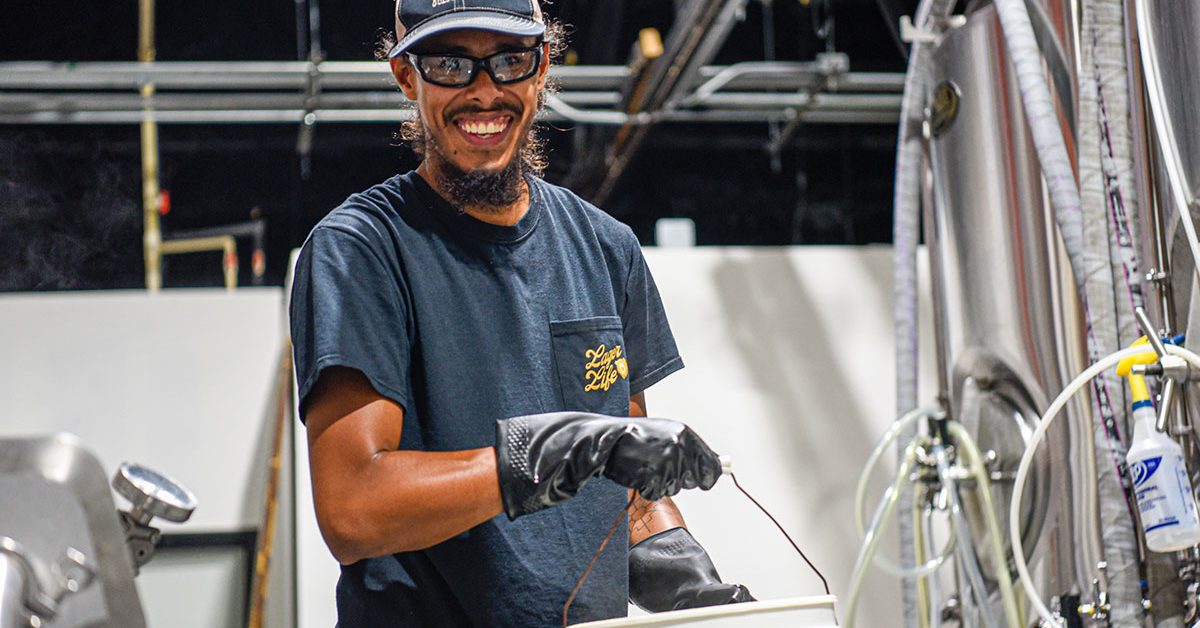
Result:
476,20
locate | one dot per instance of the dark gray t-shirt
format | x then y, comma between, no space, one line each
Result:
463,323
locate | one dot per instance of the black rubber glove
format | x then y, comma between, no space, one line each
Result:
670,571
545,459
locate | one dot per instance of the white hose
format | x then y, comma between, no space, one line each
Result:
1044,124
1014,511
898,428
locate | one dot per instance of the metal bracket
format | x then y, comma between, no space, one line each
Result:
142,540
910,33
1173,369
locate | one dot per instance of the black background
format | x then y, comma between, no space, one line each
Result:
70,195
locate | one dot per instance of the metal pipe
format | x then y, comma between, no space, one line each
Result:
273,116
263,75
151,232
194,76
226,244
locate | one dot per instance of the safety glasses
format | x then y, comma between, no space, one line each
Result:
507,66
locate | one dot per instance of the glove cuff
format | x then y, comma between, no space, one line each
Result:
671,571
513,468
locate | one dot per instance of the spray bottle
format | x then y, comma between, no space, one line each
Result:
1166,504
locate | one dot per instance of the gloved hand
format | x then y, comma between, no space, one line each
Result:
545,459
670,571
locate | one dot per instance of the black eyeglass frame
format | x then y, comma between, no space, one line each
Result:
476,63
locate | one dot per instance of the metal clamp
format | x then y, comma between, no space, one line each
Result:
1099,608
71,573
1171,368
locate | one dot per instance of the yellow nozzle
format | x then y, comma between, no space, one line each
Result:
1137,383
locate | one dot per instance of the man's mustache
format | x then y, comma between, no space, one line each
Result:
512,108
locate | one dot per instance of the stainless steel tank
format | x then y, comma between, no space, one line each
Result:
1010,331
12,603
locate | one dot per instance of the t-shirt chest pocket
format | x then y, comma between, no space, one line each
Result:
591,365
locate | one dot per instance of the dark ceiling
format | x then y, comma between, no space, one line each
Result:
69,195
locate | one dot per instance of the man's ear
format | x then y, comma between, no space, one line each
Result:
406,76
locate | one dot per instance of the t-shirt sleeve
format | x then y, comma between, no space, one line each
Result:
649,344
347,309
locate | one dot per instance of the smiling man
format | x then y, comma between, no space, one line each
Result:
470,344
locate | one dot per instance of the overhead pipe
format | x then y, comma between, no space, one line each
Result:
691,45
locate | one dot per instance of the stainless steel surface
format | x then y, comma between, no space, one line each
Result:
40,598
54,495
13,613
1169,52
1170,32
1009,323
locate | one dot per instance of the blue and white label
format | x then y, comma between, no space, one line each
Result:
1143,469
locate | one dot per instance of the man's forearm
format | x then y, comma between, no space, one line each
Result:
408,500
648,518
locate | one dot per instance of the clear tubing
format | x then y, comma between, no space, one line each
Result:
898,428
924,597
983,487
883,514
968,562
934,584
1014,512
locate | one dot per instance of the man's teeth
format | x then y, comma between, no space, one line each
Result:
483,128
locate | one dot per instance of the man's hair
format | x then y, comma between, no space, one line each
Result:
533,153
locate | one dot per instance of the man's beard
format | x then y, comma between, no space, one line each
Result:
479,189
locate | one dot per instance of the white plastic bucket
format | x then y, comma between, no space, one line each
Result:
793,612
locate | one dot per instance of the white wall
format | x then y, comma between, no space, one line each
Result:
789,370
789,358
182,382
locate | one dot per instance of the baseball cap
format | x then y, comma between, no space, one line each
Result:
418,19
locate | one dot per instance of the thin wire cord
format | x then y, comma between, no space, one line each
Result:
599,550
625,515
785,534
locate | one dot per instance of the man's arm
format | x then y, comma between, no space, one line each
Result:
649,518
370,498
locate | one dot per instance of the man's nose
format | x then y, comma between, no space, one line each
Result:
483,89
